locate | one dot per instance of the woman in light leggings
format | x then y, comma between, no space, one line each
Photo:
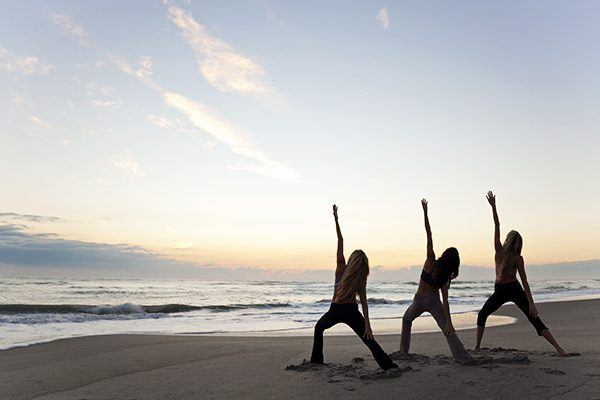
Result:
436,275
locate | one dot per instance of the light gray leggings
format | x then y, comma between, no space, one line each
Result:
431,302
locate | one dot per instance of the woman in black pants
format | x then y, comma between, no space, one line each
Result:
350,281
507,288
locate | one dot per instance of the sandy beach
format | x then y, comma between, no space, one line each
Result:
514,363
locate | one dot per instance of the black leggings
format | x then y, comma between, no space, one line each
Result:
505,292
348,314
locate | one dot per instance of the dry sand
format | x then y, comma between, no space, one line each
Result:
514,364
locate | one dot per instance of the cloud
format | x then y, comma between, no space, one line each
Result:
105,96
22,100
218,127
383,19
142,73
234,137
105,104
68,26
22,65
125,161
219,63
161,121
43,251
27,217
39,124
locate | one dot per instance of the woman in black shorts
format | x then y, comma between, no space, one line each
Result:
507,288
350,281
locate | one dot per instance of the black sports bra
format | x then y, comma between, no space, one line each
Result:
428,278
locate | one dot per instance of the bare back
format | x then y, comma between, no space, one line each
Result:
505,276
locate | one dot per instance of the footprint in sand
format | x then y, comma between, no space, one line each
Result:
334,373
553,371
572,354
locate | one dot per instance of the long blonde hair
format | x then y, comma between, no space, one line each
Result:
354,280
512,251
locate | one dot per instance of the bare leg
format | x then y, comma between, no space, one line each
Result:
480,330
548,336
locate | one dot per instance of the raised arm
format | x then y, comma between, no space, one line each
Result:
521,269
430,253
491,198
341,262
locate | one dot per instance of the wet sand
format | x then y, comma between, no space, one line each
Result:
514,363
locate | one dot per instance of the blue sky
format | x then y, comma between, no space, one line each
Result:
220,133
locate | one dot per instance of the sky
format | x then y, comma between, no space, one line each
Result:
203,135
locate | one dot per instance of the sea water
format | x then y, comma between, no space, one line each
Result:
36,310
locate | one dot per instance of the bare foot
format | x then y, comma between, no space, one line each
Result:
562,352
476,348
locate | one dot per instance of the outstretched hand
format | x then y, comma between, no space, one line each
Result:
424,204
533,310
335,211
449,329
491,198
368,332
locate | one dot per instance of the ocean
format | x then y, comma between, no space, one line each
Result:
36,310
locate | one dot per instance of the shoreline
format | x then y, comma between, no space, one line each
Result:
221,367
462,320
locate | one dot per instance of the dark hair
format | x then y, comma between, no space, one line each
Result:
446,267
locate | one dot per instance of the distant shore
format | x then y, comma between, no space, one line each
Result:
516,364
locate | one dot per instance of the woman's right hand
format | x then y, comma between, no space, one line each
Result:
368,332
491,198
335,211
533,310
424,204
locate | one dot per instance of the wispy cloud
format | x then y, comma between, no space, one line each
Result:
105,96
141,72
4,217
383,19
161,121
68,26
39,124
125,161
22,65
222,66
211,122
234,137
20,100
105,104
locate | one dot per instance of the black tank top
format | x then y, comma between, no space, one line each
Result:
428,278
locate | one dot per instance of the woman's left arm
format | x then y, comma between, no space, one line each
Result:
365,307
449,329
521,268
